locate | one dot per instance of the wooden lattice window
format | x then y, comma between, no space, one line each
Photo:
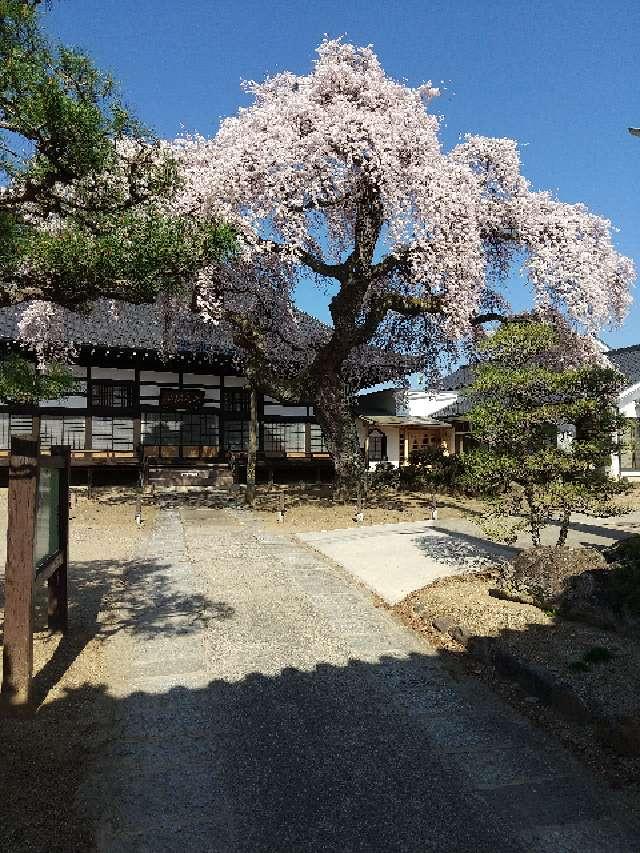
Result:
113,395
237,401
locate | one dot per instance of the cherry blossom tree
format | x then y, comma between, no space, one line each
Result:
340,174
85,195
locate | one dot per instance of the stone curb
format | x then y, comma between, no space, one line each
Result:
620,732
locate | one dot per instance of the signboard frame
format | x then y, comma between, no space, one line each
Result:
22,571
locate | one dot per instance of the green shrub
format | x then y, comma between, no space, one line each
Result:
432,470
624,577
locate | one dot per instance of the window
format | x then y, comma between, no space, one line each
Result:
200,430
112,433
237,401
11,425
113,395
172,429
318,441
630,446
236,435
377,445
62,429
284,438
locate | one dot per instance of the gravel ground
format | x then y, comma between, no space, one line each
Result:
44,757
554,644
226,689
312,509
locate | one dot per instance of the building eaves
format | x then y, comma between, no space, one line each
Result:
627,360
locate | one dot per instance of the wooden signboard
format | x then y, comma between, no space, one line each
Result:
37,550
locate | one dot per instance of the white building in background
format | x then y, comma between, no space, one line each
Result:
396,422
626,463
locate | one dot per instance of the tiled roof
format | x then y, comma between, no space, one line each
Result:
458,409
627,360
460,378
401,420
109,324
120,325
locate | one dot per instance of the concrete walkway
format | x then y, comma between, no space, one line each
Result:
396,559
262,703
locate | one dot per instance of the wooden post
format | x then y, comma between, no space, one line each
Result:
252,449
19,575
58,606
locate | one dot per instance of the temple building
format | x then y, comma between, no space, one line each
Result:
135,406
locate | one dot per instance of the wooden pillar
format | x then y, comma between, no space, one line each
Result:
366,451
406,449
252,449
19,575
57,610
88,432
221,438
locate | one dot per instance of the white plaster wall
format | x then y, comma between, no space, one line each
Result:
200,379
271,409
235,381
116,373
422,403
149,394
158,376
72,401
393,442
628,407
393,445
614,471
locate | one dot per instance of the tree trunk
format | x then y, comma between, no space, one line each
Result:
252,449
535,534
564,528
535,521
333,411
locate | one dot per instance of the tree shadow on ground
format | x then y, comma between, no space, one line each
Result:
454,548
110,596
575,678
369,756
268,498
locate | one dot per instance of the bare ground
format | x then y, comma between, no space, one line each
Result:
547,641
312,508
43,753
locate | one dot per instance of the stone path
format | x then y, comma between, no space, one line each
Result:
394,560
262,703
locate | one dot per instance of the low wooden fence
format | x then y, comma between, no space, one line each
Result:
37,550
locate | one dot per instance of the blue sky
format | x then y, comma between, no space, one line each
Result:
560,76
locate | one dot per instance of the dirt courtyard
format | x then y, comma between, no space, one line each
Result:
68,676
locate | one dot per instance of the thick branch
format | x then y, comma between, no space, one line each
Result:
321,267
495,317
396,262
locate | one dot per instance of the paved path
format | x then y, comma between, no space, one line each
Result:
263,704
396,559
